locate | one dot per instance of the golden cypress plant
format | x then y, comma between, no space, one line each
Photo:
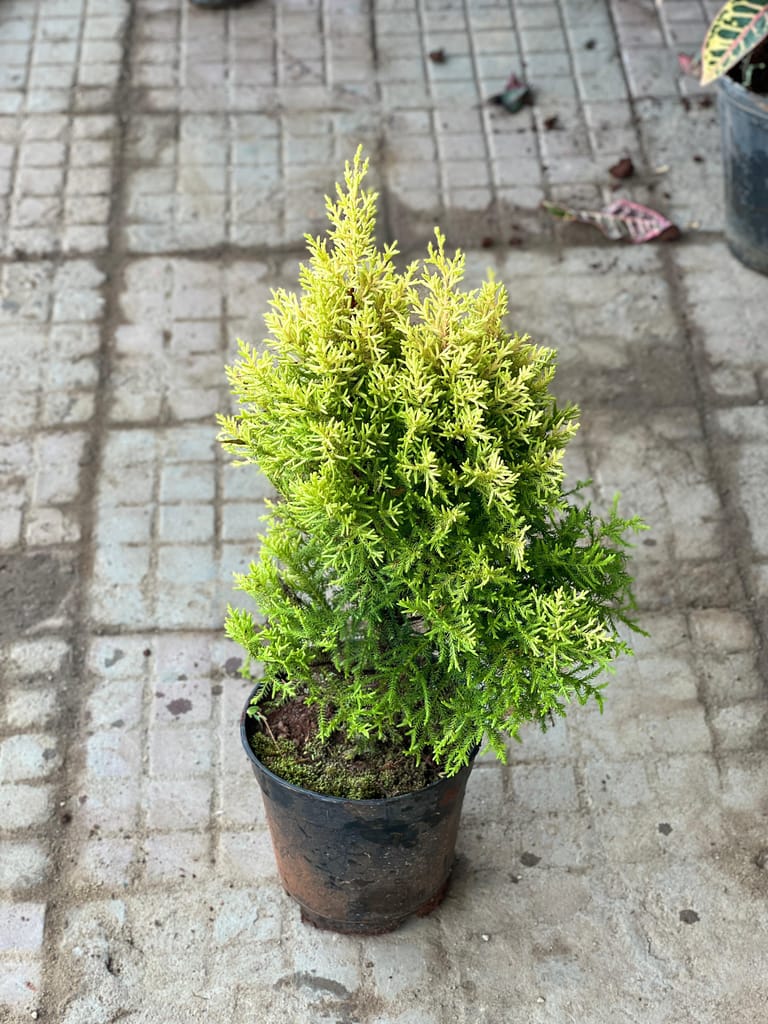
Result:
423,577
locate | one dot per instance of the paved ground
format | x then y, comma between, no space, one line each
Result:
158,167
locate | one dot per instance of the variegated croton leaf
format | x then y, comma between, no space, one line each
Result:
621,220
738,28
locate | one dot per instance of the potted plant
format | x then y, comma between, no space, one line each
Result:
735,54
424,583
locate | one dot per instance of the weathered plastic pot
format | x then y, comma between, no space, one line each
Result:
744,125
360,866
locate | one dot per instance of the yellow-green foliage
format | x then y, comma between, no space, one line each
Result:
423,574
738,27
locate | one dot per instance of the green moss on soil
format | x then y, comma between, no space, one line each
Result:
339,767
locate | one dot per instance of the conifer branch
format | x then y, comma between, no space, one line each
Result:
424,572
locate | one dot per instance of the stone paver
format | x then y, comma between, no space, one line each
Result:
56,181
159,166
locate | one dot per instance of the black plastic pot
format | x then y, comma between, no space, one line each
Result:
360,866
744,124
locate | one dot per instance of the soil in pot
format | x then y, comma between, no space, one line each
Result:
288,744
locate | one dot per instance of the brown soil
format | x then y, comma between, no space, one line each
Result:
286,741
295,721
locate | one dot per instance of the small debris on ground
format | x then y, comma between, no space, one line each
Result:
514,96
688,65
621,220
689,916
550,123
701,101
438,56
623,169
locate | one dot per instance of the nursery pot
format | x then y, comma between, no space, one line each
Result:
744,124
360,866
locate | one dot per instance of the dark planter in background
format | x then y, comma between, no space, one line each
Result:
360,866
744,123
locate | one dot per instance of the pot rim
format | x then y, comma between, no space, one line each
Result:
753,102
337,799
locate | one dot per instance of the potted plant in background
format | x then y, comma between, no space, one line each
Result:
424,584
735,54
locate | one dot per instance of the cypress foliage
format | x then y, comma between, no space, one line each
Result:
422,575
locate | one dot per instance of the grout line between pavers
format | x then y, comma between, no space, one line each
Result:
544,163
696,357
15,157
72,114
484,116
219,704
55,988
230,252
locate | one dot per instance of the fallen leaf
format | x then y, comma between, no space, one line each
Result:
623,169
689,65
513,82
512,99
438,56
513,96
621,220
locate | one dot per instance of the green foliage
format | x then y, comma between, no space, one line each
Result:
423,575
738,27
